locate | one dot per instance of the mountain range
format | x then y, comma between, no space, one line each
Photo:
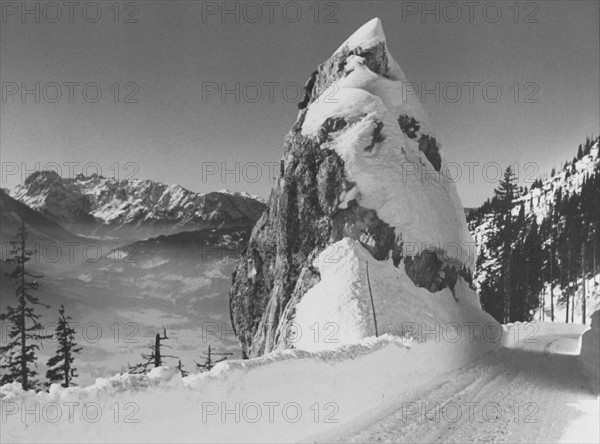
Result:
128,258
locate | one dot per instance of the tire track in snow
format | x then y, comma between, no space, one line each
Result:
519,396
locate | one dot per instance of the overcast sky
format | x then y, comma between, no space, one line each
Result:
166,62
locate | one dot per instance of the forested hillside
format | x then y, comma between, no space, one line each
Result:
541,243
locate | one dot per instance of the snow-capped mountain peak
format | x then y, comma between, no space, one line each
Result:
100,206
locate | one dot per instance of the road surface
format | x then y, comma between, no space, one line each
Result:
513,395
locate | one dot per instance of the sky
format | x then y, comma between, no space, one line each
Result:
147,89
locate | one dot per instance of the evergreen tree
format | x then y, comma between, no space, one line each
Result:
550,264
489,291
505,236
209,362
522,257
19,355
60,366
517,285
532,270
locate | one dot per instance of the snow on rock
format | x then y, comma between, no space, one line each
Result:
361,172
285,396
390,176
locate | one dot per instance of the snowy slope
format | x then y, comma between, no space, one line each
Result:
538,203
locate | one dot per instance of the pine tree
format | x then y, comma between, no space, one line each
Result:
209,363
517,285
490,294
550,265
533,275
60,366
505,236
588,145
24,338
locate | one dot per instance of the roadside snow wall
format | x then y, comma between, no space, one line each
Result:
288,396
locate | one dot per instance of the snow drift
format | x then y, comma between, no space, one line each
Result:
285,396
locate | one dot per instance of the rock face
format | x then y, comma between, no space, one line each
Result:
351,170
137,209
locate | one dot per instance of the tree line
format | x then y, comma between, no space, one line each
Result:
522,258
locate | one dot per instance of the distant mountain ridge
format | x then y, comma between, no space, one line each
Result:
106,207
12,212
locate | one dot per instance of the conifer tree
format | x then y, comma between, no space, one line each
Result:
24,337
209,361
506,233
60,366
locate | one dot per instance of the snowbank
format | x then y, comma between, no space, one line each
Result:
590,349
288,395
544,337
584,429
340,307
592,285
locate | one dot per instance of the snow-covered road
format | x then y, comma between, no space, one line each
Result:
513,395
536,388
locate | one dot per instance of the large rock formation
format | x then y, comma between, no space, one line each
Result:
360,182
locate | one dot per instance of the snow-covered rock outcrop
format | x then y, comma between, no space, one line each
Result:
102,206
357,185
